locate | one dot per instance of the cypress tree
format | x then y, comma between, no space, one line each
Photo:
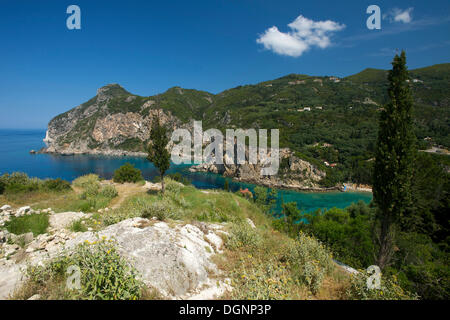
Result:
394,160
157,149
226,186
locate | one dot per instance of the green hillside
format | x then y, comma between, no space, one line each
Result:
310,112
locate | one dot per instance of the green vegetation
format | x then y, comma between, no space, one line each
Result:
35,223
18,182
395,153
127,173
175,177
389,289
78,226
278,259
405,230
95,260
93,194
339,128
157,149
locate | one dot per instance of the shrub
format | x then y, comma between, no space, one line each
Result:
105,275
173,187
389,289
78,226
94,195
56,185
86,181
127,173
91,190
109,192
162,210
178,177
216,215
242,235
19,182
263,280
310,261
2,186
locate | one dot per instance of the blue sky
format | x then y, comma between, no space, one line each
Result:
213,45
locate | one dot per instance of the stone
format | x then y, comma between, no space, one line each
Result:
28,237
64,219
35,297
173,259
10,278
11,249
5,207
250,222
23,210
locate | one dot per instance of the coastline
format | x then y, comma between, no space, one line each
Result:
346,187
113,153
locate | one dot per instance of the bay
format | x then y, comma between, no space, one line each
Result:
15,146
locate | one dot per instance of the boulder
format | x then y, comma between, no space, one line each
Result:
5,208
173,259
250,222
22,211
64,219
28,237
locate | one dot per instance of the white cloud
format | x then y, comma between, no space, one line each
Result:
305,33
399,15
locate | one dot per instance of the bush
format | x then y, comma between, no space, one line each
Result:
310,261
179,178
89,180
94,195
127,173
262,280
173,187
19,182
390,289
242,235
162,210
105,275
78,226
56,185
2,186
109,192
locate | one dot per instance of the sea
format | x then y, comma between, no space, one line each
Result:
15,146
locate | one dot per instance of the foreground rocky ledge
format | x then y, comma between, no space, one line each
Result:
174,258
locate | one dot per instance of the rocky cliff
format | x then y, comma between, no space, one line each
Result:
310,111
294,173
113,122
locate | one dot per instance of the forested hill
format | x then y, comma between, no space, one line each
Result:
322,118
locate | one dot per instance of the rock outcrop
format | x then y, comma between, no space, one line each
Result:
294,173
174,259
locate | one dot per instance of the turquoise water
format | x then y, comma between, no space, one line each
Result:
14,156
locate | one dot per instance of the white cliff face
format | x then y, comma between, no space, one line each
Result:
47,140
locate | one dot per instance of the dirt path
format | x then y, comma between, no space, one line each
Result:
125,190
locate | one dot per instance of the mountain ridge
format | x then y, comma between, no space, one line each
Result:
310,112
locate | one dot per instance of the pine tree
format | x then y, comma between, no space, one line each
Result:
157,149
395,154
